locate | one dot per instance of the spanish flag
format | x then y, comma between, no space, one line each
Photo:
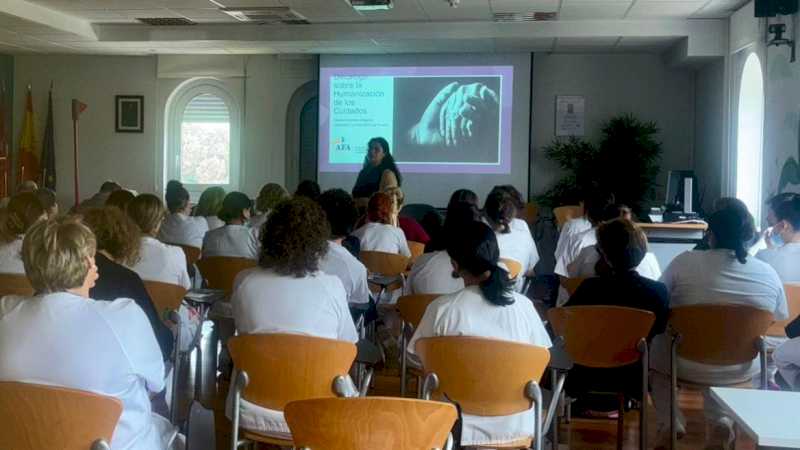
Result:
28,162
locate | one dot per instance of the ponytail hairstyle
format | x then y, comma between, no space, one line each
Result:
732,228
475,250
500,208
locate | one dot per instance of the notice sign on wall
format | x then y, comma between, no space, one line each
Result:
570,118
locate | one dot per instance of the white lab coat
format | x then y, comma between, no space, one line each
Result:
181,229
519,246
238,241
378,237
787,359
468,313
265,302
338,262
10,257
572,227
583,266
785,260
572,248
432,273
104,347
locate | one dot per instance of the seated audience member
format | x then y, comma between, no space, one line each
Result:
23,211
721,275
62,337
487,307
99,199
172,185
48,200
117,247
269,197
287,293
411,228
340,209
580,225
432,273
519,204
515,243
179,227
439,240
784,254
595,208
27,186
772,237
378,234
209,205
622,246
756,243
120,199
235,239
309,189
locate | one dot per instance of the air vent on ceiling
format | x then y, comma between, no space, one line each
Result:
266,14
165,21
371,5
525,17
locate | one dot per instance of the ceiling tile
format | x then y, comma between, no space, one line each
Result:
594,11
587,42
467,10
523,45
662,9
522,6
204,15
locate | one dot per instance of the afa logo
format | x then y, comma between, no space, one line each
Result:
340,145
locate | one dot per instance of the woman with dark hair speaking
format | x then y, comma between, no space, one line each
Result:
487,307
379,170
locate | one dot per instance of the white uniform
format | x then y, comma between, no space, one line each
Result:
338,262
468,313
378,237
519,246
785,260
265,302
10,257
583,266
572,248
787,359
181,229
432,273
258,221
104,347
571,228
232,240
214,222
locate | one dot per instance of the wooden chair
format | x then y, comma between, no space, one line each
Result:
36,417
370,423
487,377
565,213
571,284
220,271
275,369
608,337
531,214
716,335
514,267
192,254
411,309
15,284
777,329
417,249
386,270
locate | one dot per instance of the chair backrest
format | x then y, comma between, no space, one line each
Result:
417,249
487,377
15,284
370,423
793,301
565,213
165,296
531,213
220,271
412,307
192,254
602,336
36,417
514,267
571,284
286,367
719,334
389,264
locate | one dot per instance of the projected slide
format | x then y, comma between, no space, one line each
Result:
436,119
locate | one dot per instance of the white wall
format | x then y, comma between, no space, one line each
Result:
135,159
710,129
613,84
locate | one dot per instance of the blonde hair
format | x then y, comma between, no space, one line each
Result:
147,212
55,254
115,233
270,195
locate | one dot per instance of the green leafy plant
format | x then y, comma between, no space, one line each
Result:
625,162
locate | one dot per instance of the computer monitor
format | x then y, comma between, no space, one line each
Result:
677,184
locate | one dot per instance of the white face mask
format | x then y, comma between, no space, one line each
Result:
777,239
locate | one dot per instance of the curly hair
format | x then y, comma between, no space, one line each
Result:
379,208
115,233
270,195
24,209
147,212
295,237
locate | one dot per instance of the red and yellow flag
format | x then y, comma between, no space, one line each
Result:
28,154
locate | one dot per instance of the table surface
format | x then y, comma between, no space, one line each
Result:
673,226
769,417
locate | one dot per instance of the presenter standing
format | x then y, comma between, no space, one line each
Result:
379,170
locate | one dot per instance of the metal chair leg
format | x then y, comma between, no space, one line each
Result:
403,361
762,354
241,382
535,393
620,419
673,392
644,350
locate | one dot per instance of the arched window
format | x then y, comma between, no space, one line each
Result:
750,136
202,139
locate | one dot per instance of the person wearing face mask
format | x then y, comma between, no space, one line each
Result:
61,337
772,237
379,170
784,252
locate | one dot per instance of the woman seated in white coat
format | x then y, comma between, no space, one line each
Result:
378,234
209,205
179,227
64,338
487,307
287,293
515,243
724,274
23,210
235,239
268,198
162,262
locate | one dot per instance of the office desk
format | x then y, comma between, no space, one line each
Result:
668,240
769,417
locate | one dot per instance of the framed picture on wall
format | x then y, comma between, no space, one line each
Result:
129,117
